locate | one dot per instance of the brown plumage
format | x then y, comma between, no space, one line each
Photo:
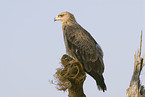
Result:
82,46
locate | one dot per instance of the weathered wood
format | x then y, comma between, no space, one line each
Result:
71,76
136,89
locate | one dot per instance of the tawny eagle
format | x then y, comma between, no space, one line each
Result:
83,47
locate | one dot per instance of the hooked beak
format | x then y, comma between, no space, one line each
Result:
56,18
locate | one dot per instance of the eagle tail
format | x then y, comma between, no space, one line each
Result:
99,80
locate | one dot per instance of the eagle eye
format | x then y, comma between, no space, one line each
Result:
61,15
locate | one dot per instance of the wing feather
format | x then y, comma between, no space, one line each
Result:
81,45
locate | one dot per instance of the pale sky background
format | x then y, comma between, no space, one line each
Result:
31,44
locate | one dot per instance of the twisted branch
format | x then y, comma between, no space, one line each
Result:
70,76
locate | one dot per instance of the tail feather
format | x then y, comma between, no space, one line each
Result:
99,80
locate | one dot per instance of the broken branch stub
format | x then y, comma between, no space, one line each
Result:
136,89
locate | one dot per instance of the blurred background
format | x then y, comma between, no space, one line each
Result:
31,44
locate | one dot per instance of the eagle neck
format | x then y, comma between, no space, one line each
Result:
68,23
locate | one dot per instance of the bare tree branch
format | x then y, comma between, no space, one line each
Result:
135,89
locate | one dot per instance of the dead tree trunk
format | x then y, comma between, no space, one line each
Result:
136,89
71,76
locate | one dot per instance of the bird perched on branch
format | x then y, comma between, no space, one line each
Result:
83,47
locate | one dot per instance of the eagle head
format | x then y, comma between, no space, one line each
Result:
64,17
